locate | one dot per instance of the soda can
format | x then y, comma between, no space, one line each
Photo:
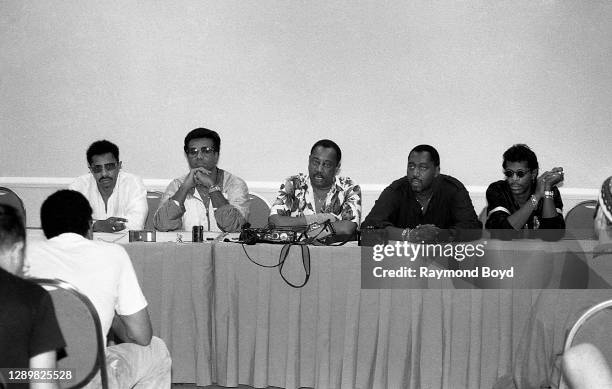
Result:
197,234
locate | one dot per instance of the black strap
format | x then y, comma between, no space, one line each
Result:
305,262
283,257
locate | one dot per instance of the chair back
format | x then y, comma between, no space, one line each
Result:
153,199
80,325
579,220
259,210
593,326
8,197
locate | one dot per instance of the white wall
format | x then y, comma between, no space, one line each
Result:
470,77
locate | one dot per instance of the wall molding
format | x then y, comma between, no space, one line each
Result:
161,183
33,191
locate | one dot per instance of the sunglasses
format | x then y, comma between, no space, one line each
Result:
193,151
107,166
519,173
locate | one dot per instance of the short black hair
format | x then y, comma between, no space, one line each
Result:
12,229
328,144
65,211
433,153
518,153
100,147
203,133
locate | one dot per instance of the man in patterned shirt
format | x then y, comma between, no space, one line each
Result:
321,195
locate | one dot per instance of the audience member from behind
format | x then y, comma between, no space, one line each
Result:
321,195
118,199
524,200
539,353
425,206
206,195
104,273
29,333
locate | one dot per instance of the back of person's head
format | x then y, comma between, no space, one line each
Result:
12,229
521,153
102,147
65,211
12,240
328,144
603,213
203,133
433,153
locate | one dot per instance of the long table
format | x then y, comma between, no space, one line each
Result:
177,280
229,321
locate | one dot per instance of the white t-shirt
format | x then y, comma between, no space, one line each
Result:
100,270
128,200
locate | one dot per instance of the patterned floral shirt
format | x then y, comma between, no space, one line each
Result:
295,198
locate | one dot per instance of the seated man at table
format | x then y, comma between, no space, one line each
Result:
538,356
425,206
188,200
29,333
524,200
118,199
319,196
104,273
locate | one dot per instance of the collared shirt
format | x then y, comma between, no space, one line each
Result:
450,206
128,200
195,212
501,204
100,270
296,198
450,209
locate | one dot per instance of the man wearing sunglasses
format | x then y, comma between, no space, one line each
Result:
118,199
525,200
206,196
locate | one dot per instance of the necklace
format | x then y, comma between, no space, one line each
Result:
424,202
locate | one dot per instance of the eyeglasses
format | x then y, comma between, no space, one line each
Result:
108,166
193,151
519,173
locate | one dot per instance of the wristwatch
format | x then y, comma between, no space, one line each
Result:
405,234
548,194
214,188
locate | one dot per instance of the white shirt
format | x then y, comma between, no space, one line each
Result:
100,270
128,200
